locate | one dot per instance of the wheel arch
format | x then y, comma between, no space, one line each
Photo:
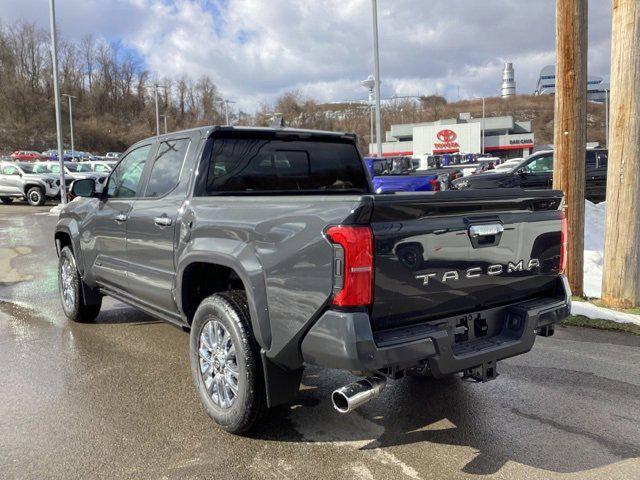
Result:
67,234
30,184
202,274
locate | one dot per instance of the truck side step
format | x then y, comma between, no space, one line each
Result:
482,373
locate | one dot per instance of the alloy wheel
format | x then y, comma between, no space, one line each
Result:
218,364
67,276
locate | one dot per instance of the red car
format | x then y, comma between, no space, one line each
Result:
26,155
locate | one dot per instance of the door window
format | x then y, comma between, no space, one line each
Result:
124,181
11,170
540,165
99,167
165,173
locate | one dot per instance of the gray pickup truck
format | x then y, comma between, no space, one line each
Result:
270,247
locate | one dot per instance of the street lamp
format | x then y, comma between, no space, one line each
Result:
376,61
165,123
155,87
606,118
56,93
73,149
226,103
369,84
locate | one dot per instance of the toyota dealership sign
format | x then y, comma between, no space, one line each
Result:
447,141
446,138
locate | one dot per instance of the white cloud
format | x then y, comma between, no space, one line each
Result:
257,49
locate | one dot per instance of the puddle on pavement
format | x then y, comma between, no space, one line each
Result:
8,274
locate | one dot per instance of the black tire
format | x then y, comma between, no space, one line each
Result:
230,309
78,310
36,197
6,200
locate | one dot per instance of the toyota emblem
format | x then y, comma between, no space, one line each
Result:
446,135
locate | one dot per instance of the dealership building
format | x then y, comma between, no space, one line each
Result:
502,137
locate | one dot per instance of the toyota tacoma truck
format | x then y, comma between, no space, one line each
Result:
271,247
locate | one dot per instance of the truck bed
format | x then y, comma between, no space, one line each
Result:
428,265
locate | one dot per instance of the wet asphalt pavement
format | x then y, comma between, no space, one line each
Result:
115,400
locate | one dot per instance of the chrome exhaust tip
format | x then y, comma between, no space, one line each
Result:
354,395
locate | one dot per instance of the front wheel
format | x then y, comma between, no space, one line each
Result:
36,197
6,200
74,304
225,362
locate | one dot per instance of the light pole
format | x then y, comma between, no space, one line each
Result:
156,86
56,93
165,123
376,61
226,103
369,84
482,129
73,148
606,118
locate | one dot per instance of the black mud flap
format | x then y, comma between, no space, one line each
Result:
482,373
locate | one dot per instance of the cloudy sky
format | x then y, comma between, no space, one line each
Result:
257,49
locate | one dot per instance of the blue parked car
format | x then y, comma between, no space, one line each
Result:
398,174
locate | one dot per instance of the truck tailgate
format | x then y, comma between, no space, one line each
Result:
437,255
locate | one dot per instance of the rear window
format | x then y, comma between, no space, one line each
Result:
258,163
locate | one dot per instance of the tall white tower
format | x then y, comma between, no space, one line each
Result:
508,81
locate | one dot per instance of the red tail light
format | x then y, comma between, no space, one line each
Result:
353,265
435,185
563,242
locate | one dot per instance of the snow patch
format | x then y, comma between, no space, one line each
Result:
590,310
594,227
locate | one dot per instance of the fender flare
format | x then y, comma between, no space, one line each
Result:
244,262
70,227
34,183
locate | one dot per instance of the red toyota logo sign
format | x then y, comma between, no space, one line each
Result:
446,135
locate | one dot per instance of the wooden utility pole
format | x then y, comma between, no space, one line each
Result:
621,280
570,127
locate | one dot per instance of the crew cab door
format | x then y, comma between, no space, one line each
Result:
537,173
104,235
151,226
10,180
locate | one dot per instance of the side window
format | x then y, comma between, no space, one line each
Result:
165,173
100,168
125,179
10,170
540,165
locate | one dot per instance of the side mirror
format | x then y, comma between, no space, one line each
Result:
521,172
85,187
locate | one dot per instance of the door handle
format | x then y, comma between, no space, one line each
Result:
162,221
121,217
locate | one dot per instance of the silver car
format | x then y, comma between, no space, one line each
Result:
73,171
20,180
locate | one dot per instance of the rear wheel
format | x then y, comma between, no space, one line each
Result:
6,200
225,362
70,286
35,197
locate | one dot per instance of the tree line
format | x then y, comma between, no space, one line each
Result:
114,105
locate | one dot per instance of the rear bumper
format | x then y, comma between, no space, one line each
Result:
345,340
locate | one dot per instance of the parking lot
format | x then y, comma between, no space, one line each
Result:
115,399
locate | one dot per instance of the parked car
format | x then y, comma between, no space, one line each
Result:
271,247
398,174
19,180
66,156
113,155
536,172
25,155
73,171
104,166
507,165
